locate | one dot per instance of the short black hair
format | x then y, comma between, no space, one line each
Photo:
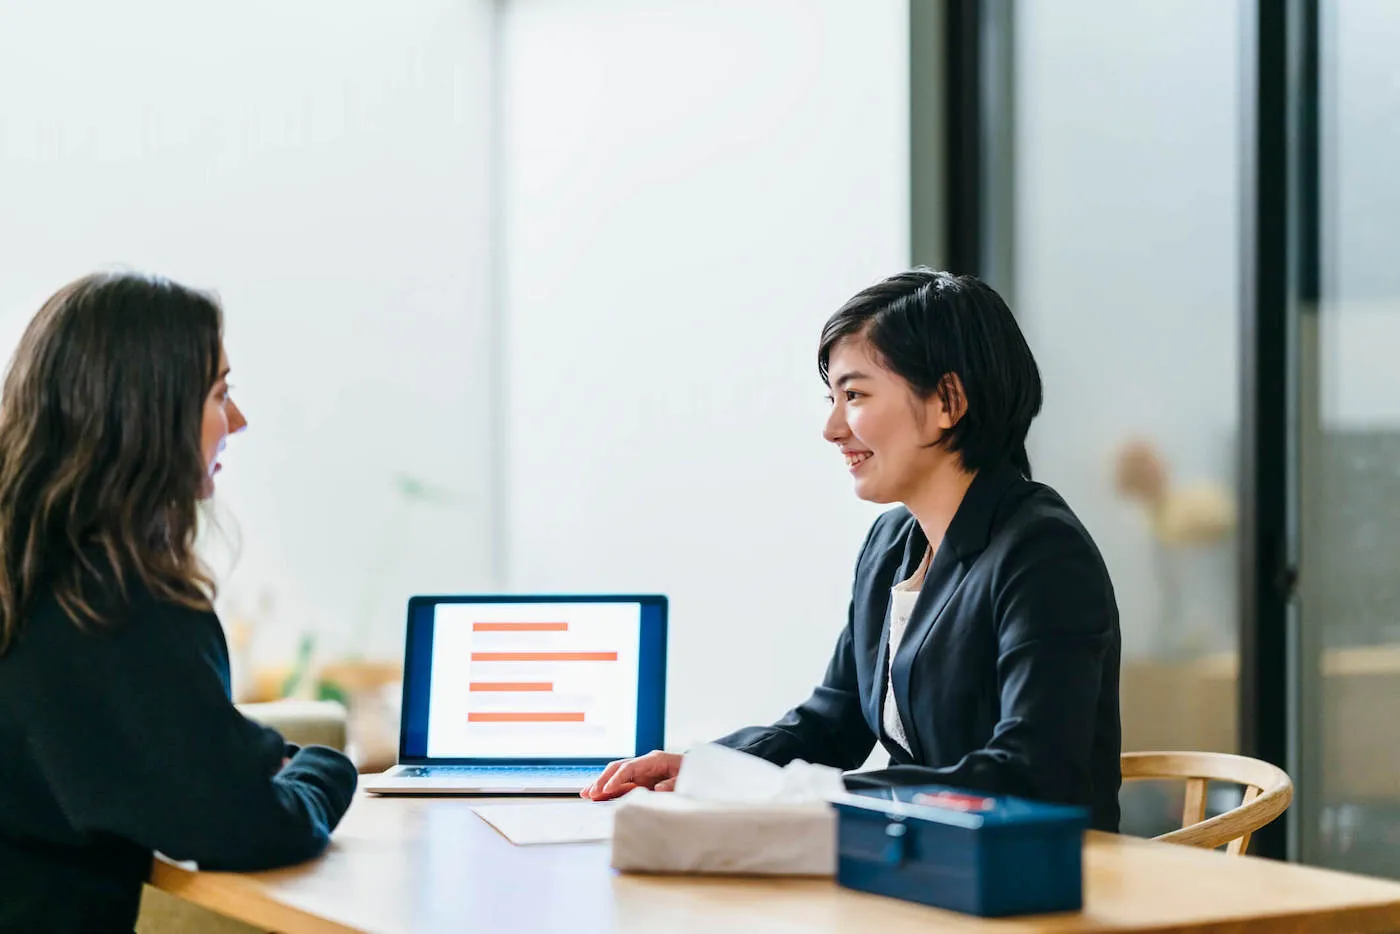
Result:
927,324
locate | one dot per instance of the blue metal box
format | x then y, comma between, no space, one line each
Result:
974,853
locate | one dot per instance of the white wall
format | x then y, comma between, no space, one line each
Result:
691,189
1127,259
322,164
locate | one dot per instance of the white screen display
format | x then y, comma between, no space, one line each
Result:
534,680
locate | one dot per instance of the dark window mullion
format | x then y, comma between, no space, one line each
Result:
1273,60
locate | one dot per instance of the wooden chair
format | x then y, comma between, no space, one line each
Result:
1267,793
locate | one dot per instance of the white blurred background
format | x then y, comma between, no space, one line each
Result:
518,296
525,294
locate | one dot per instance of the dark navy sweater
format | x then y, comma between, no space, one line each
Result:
120,740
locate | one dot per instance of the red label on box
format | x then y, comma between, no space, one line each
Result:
955,801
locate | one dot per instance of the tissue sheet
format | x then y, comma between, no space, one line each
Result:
731,813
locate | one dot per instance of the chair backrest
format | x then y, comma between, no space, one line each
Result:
1267,793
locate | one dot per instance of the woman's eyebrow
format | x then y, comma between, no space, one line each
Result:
848,377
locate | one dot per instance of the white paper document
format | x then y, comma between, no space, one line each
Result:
558,822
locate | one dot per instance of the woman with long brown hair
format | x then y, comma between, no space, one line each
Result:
117,734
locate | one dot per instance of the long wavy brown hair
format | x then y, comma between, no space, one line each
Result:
100,460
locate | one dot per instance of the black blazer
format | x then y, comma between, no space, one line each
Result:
1007,677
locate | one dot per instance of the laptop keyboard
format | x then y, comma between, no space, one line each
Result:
497,774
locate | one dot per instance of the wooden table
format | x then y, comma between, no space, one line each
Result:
428,865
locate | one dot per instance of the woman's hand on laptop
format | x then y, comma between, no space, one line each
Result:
655,770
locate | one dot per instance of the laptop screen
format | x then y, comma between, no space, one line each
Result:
533,679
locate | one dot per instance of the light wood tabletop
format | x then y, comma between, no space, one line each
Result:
428,865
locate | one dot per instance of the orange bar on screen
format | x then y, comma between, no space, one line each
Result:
524,718
544,656
520,627
491,686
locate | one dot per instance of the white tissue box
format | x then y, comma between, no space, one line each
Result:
732,813
666,832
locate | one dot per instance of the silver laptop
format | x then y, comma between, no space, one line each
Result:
521,694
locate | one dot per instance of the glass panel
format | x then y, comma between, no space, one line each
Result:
1349,603
1126,259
